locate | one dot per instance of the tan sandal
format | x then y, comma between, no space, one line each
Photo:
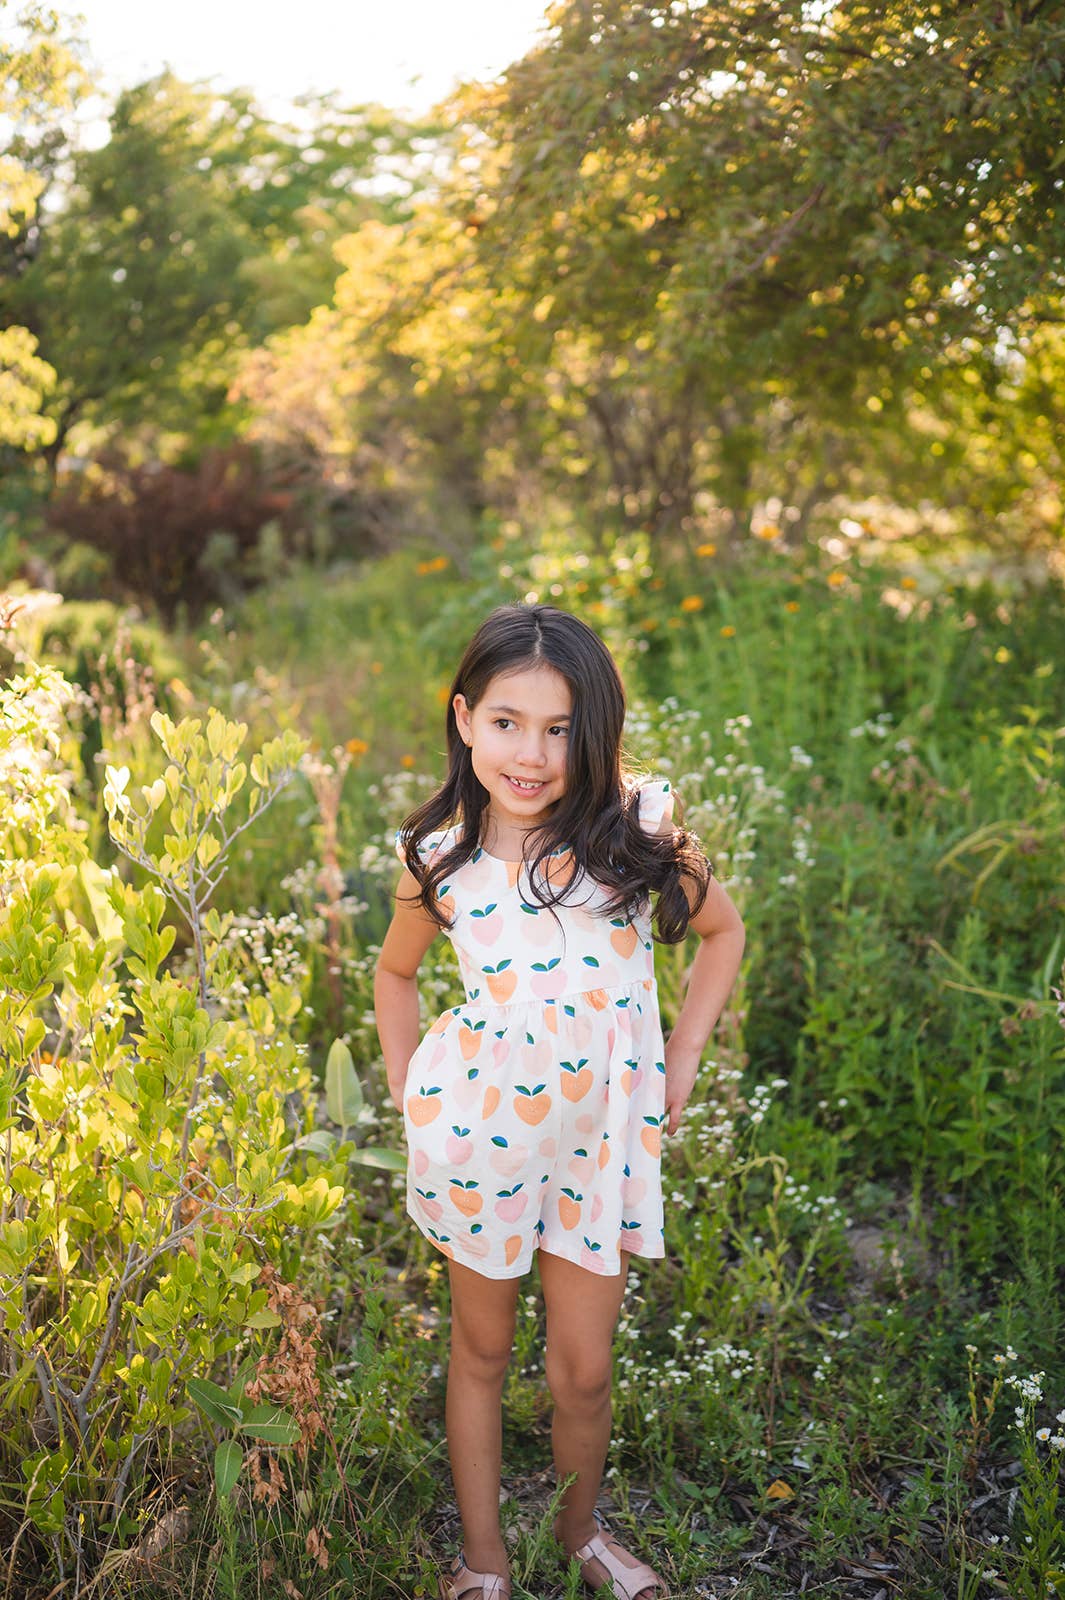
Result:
627,1582
461,1579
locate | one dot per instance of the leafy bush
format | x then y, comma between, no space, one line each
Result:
180,536
159,1159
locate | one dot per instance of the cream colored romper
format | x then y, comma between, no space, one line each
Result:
533,1112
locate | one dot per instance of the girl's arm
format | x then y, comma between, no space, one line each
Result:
713,973
395,983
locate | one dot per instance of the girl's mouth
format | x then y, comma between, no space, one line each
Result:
523,788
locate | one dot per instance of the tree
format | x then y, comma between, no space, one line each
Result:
744,209
40,79
197,229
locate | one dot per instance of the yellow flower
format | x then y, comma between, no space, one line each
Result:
706,549
768,530
650,625
406,761
1002,654
437,564
692,602
836,578
356,747
376,667
442,694
791,605
727,631
909,583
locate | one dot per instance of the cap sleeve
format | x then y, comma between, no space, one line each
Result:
655,805
427,848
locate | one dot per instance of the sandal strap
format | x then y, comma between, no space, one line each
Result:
493,1585
628,1581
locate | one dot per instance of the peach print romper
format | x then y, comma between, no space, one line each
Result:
533,1111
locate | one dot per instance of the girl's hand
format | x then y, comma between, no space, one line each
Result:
395,1094
682,1067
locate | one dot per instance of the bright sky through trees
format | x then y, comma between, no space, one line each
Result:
405,54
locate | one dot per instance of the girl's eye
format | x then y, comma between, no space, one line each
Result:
499,721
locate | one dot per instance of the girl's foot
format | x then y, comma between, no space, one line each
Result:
605,1560
463,1581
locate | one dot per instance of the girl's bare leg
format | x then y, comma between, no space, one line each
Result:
582,1313
483,1312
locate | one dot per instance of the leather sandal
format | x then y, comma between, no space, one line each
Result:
461,1579
627,1582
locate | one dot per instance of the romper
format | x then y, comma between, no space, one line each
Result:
533,1112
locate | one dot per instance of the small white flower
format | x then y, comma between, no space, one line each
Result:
1042,1434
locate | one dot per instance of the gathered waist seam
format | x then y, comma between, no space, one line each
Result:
556,1000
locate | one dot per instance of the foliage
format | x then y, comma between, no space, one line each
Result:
174,536
200,225
151,1177
41,79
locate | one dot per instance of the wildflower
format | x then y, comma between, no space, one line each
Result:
1042,1434
767,531
1057,1441
406,761
1003,655
908,583
356,747
706,550
836,578
791,605
727,631
692,602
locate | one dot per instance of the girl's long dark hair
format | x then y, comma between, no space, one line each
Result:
596,816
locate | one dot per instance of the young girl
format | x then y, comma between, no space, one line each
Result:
533,1112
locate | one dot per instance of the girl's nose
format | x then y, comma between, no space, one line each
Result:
533,752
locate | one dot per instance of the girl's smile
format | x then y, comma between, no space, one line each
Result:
517,734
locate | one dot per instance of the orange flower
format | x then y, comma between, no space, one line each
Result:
836,578
791,605
727,631
356,747
768,530
909,583
692,602
406,761
437,564
706,549
442,694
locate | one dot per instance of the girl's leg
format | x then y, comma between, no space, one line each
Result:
483,1314
582,1313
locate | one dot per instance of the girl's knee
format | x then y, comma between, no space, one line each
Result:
481,1356
579,1378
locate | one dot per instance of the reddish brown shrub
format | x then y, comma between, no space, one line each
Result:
176,536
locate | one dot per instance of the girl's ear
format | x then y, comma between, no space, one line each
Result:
462,718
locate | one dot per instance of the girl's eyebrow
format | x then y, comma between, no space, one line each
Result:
510,711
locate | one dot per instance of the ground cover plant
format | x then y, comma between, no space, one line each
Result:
845,1376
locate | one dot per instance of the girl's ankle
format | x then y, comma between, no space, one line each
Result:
486,1557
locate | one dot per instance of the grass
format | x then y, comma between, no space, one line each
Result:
870,1179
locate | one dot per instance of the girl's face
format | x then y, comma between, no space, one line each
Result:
517,735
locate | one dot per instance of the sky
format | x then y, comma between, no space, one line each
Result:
405,54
